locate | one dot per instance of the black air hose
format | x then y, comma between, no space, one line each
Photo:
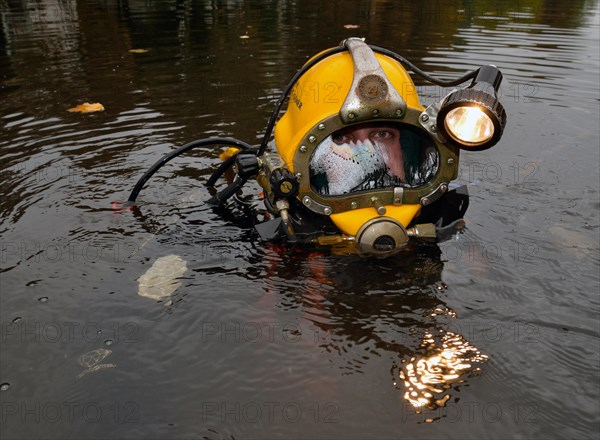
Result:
166,158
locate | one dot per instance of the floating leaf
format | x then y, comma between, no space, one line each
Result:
138,50
86,107
351,26
160,281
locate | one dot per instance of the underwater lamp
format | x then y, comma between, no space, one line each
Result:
368,167
473,117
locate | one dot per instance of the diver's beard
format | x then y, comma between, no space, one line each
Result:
355,166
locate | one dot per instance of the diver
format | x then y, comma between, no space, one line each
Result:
367,167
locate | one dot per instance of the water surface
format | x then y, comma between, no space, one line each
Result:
492,334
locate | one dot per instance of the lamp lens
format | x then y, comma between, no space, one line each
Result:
469,125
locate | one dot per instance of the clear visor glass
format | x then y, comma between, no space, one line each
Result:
372,156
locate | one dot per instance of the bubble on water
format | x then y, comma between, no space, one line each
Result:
108,342
43,299
16,320
5,386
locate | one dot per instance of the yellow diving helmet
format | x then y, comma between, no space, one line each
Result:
360,91
363,149
359,161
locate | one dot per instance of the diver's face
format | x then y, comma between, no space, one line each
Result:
387,137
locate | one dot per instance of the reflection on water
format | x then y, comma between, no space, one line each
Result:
403,316
429,377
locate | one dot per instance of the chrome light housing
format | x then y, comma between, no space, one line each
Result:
473,118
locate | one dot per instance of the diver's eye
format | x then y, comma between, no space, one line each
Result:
341,139
382,134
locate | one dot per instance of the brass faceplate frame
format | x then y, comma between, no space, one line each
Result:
327,205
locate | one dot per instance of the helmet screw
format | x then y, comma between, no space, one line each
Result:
321,126
302,148
424,117
298,176
399,112
433,129
424,201
306,200
378,205
354,205
375,112
351,115
327,211
312,139
450,161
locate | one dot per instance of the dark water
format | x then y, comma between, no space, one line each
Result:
493,334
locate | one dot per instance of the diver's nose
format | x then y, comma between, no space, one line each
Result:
361,134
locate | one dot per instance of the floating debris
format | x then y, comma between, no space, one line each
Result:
91,359
86,107
160,281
